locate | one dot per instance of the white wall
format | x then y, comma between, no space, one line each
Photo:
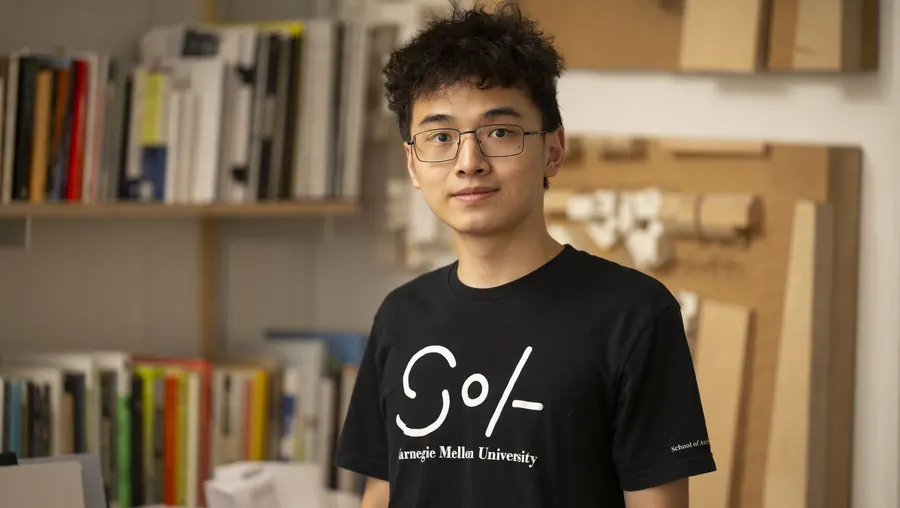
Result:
132,284
857,110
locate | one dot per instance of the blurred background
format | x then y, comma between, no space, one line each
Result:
196,194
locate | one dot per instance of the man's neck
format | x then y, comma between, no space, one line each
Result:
486,262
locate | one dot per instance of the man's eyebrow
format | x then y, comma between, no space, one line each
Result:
435,118
501,111
488,115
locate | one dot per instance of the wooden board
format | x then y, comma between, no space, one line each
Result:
824,35
720,357
754,274
709,147
685,35
795,469
723,36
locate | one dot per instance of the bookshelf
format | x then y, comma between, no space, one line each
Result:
203,223
159,210
126,154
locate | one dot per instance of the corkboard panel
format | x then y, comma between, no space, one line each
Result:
753,274
788,35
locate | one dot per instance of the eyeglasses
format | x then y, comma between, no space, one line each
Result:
442,145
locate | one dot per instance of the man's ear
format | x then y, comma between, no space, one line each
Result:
556,152
411,165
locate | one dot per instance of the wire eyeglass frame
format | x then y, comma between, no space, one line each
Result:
460,134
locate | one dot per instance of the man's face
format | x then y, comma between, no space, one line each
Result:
476,194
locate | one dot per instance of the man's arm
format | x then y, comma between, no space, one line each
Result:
670,495
660,437
377,494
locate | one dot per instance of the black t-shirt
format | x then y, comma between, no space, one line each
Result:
560,389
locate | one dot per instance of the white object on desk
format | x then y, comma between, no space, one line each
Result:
250,489
297,484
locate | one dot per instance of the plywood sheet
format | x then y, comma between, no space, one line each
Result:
844,197
753,274
726,36
720,356
711,147
707,36
620,34
796,458
824,35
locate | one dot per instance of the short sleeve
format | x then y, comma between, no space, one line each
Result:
660,432
362,447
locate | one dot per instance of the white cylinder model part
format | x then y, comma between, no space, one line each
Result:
581,207
625,219
605,202
690,309
647,204
603,233
650,247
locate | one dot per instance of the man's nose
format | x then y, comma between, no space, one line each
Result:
471,161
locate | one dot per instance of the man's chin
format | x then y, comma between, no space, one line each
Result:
481,228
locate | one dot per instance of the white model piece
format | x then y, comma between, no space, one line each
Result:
581,207
690,310
650,247
625,218
647,203
603,233
606,202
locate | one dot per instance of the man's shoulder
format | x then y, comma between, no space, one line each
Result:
621,279
626,285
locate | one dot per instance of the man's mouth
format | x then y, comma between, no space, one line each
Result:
475,193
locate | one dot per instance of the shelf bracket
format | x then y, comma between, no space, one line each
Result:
15,233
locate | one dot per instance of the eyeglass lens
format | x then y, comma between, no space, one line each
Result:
438,145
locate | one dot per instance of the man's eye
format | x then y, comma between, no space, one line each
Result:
499,133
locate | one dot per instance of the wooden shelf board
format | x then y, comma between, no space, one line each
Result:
158,210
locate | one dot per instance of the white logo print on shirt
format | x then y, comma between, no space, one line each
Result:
467,400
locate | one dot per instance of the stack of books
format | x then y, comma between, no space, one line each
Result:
208,113
161,425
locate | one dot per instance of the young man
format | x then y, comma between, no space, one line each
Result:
528,374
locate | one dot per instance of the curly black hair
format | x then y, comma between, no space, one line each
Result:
499,48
